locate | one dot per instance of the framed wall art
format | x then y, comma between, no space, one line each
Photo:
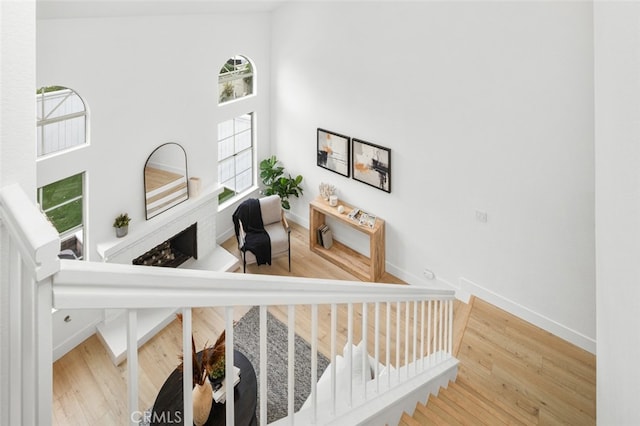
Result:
372,164
333,152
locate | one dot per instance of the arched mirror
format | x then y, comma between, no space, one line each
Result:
165,179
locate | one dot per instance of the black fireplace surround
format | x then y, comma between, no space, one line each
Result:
173,252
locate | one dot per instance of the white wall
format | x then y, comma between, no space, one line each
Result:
485,105
147,81
617,96
17,142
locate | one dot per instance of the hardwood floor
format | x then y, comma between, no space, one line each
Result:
548,380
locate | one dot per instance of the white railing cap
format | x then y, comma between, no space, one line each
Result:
105,285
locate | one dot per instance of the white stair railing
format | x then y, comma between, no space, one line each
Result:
39,281
101,285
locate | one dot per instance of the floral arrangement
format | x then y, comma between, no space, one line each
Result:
327,190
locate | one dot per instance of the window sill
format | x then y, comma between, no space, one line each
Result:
233,200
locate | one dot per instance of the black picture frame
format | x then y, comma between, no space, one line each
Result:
371,164
333,152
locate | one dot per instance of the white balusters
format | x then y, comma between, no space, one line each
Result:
334,326
314,361
132,363
263,365
388,345
291,359
187,364
422,330
376,351
365,327
398,317
229,371
415,336
349,354
406,335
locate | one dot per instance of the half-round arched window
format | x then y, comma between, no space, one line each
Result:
235,79
61,119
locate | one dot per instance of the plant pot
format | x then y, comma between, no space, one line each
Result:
216,383
122,231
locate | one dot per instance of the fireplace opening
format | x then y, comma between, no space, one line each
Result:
173,252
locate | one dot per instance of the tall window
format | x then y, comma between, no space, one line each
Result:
61,119
62,202
235,155
235,79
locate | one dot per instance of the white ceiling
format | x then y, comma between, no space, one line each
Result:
60,9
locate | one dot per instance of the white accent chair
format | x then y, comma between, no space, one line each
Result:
276,225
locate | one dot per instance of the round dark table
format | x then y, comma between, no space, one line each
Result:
167,410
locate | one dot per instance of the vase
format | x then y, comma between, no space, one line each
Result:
202,402
122,231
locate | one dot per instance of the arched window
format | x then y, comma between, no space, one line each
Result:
236,137
61,119
235,79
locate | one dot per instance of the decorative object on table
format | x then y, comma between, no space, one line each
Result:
372,164
363,218
325,236
202,391
121,223
202,401
333,200
220,394
215,365
327,190
272,176
195,183
214,362
340,209
333,152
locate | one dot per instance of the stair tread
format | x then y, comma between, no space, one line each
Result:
474,406
428,416
442,410
407,420
458,411
499,409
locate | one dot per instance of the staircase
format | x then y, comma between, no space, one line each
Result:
458,404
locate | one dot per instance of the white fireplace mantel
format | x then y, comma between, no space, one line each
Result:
157,229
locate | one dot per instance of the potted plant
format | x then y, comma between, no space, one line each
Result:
121,223
214,362
272,176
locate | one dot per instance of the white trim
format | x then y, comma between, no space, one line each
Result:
535,318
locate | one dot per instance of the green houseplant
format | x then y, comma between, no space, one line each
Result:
121,223
275,182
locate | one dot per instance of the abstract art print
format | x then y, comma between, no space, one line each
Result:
333,152
372,164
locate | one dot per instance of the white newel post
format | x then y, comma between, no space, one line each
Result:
32,261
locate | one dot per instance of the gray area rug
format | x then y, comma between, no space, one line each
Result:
246,336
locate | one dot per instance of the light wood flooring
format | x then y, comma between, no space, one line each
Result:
531,370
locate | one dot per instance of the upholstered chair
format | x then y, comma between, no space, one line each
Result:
276,225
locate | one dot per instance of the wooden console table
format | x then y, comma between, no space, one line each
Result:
370,268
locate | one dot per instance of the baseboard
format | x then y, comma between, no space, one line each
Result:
527,314
437,282
72,341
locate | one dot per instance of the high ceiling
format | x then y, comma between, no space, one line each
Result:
60,9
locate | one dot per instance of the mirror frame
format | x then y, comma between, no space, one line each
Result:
180,193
